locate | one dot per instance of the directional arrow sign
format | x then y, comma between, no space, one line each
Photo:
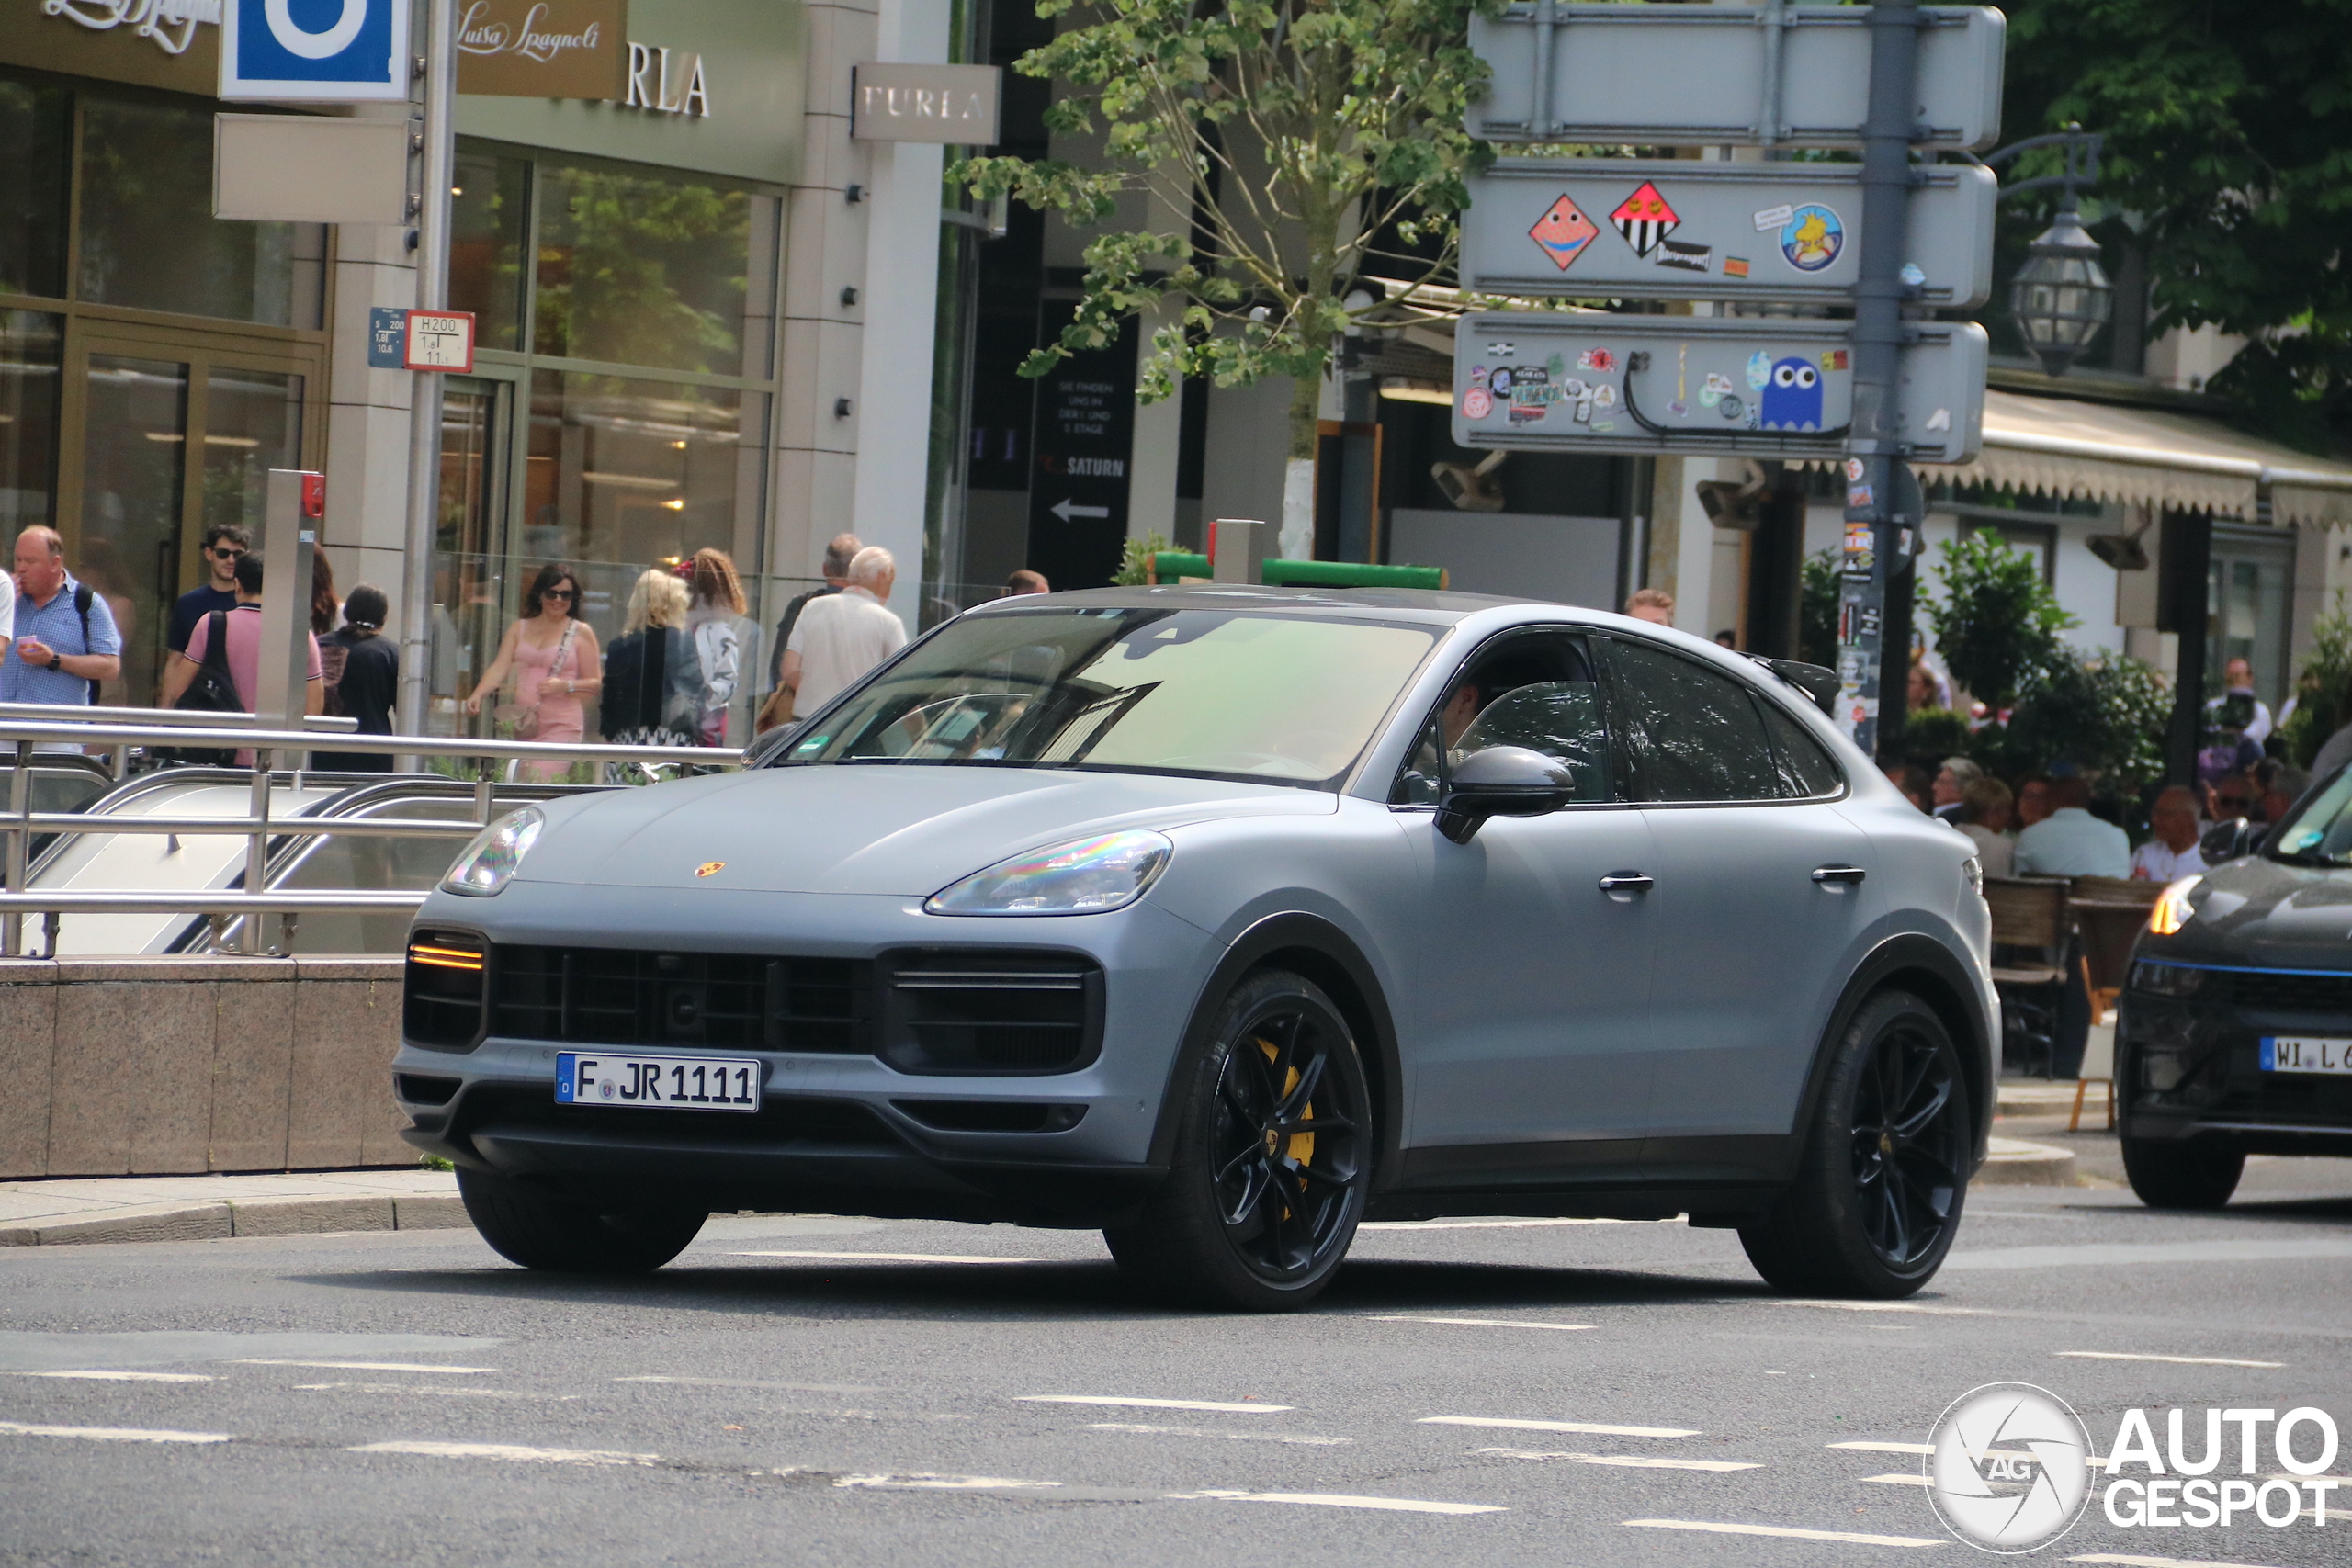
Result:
1597,228
1066,509
1713,75
1693,387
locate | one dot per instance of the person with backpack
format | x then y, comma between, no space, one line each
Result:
64,642
364,675
237,633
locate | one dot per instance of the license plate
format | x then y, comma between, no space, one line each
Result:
2307,1054
667,1083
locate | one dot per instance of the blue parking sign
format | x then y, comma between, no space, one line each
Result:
314,51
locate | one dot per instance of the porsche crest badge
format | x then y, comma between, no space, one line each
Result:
709,866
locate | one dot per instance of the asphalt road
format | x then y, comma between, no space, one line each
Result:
853,1391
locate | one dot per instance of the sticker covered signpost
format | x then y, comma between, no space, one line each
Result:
1889,237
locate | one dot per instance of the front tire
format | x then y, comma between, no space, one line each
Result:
2171,1174
1884,1171
538,1229
1274,1157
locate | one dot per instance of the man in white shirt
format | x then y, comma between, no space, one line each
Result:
2070,841
2237,680
2172,853
842,636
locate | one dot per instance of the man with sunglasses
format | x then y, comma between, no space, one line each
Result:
225,545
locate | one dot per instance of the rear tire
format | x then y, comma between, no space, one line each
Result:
2172,1174
539,1229
1274,1157
1885,1172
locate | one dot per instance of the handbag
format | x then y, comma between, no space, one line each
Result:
212,689
525,719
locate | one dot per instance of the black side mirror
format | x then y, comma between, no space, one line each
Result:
1502,781
2229,840
764,748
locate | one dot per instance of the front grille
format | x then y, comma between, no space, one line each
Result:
2258,990
982,1011
442,990
728,1001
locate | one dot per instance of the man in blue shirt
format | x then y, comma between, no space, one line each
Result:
2070,841
225,545
65,642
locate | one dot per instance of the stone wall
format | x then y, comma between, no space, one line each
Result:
153,1066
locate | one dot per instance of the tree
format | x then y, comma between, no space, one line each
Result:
2229,149
2105,714
1997,624
1278,140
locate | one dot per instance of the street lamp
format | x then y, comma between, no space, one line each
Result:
2061,297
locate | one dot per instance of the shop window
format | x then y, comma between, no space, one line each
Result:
36,128
2248,592
148,236
636,474
133,465
644,269
486,219
28,389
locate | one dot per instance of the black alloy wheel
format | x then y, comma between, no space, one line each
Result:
1879,1188
1274,1157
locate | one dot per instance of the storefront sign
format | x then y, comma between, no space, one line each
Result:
1085,436
171,44
544,49
656,82
924,103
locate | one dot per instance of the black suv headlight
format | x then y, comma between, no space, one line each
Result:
2161,979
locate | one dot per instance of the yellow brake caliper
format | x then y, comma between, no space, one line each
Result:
1302,1144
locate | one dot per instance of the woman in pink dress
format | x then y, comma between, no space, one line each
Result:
553,656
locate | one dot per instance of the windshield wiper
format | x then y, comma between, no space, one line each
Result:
2308,857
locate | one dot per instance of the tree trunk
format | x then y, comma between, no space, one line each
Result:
1296,541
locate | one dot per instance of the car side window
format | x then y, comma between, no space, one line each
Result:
1688,733
1806,769
1535,689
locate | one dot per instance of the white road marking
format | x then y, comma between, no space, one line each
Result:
1854,1538
2175,1361
372,1367
429,1391
1250,1409
118,1376
1497,1224
1888,1447
1632,1461
2110,1253
1899,1479
1596,1428
1469,1321
747,1383
2123,1560
110,1434
1302,1439
922,1483
1876,1307
514,1451
1384,1505
888,1258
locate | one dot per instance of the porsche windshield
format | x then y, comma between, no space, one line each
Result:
2319,831
1286,699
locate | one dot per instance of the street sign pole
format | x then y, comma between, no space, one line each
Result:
1873,666
437,173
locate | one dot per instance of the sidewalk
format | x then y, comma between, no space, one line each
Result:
204,1208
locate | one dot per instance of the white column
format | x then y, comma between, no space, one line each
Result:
900,305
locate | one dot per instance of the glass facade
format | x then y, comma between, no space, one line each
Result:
629,426
30,343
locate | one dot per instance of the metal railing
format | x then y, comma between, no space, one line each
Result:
265,911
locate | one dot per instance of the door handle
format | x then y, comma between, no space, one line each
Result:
1626,882
1828,874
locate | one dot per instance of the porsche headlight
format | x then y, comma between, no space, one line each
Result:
1088,877
490,862
2172,909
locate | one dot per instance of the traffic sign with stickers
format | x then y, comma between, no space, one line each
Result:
1682,230
1593,382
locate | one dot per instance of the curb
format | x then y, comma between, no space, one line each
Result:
248,1216
2016,1163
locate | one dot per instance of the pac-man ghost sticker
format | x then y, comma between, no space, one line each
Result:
1812,237
1564,231
1792,398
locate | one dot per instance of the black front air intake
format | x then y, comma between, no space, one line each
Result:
715,1001
986,1012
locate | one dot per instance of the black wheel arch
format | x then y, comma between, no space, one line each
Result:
1928,969
1313,948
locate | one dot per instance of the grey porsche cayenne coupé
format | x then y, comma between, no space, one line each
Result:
1219,919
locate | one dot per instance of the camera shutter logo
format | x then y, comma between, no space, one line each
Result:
2007,1470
